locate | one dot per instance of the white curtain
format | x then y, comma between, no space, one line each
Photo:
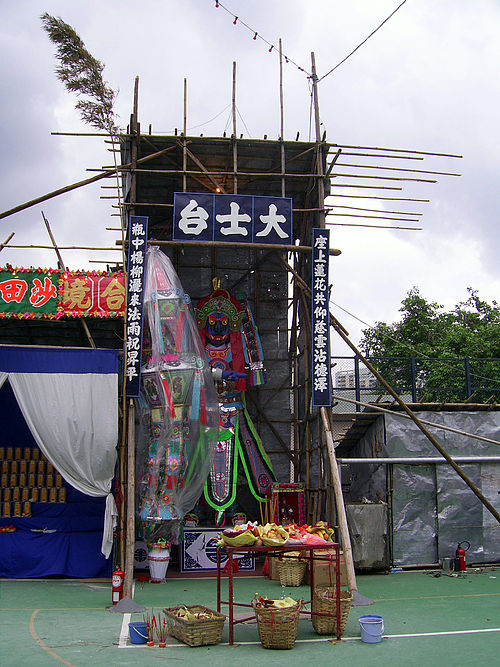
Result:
73,418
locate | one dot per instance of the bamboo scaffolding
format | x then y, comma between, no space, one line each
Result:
130,504
336,194
442,427
385,178
127,442
273,430
370,210
345,337
353,224
212,174
397,150
62,266
339,497
413,171
6,242
63,247
224,244
366,187
106,173
385,156
371,217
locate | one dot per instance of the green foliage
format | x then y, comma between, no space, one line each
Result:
81,73
439,342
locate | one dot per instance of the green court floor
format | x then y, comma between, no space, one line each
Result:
429,620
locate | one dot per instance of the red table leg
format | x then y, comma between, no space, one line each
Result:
231,617
218,580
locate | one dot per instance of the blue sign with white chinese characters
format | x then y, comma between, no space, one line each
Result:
137,248
321,378
232,218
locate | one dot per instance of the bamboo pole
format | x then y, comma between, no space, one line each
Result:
273,430
369,210
370,217
385,178
341,331
395,150
235,147
127,444
130,503
40,246
384,156
106,173
345,337
413,171
63,267
234,100
334,252
341,513
424,201
184,154
282,122
442,427
220,172
337,487
6,242
352,224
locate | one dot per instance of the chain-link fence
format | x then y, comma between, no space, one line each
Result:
415,380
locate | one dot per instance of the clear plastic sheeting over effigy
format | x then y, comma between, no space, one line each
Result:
178,407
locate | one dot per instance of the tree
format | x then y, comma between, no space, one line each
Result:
81,73
447,354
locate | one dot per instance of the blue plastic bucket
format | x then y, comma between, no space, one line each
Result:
372,628
137,633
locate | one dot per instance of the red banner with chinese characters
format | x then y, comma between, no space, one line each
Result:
53,294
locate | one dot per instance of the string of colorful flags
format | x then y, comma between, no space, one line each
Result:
256,36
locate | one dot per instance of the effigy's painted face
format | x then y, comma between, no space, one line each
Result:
217,329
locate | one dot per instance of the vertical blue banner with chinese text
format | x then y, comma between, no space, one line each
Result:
321,378
136,267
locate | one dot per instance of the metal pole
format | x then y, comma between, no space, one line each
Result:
422,460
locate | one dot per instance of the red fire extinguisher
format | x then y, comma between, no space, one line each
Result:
460,563
117,585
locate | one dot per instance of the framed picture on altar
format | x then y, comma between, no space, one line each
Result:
199,552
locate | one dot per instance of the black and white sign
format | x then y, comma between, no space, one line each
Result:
322,392
232,218
138,236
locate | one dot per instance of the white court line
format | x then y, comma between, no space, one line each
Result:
122,642
344,639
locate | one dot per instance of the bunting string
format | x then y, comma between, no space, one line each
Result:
256,36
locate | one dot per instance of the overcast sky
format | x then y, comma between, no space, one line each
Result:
426,81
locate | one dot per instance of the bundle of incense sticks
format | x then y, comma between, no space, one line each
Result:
161,631
150,621
156,627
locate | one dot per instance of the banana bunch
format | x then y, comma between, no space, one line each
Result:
283,603
188,615
322,529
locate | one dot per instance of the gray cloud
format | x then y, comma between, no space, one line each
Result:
426,81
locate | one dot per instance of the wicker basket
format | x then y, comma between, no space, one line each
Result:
199,632
324,601
291,572
277,627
